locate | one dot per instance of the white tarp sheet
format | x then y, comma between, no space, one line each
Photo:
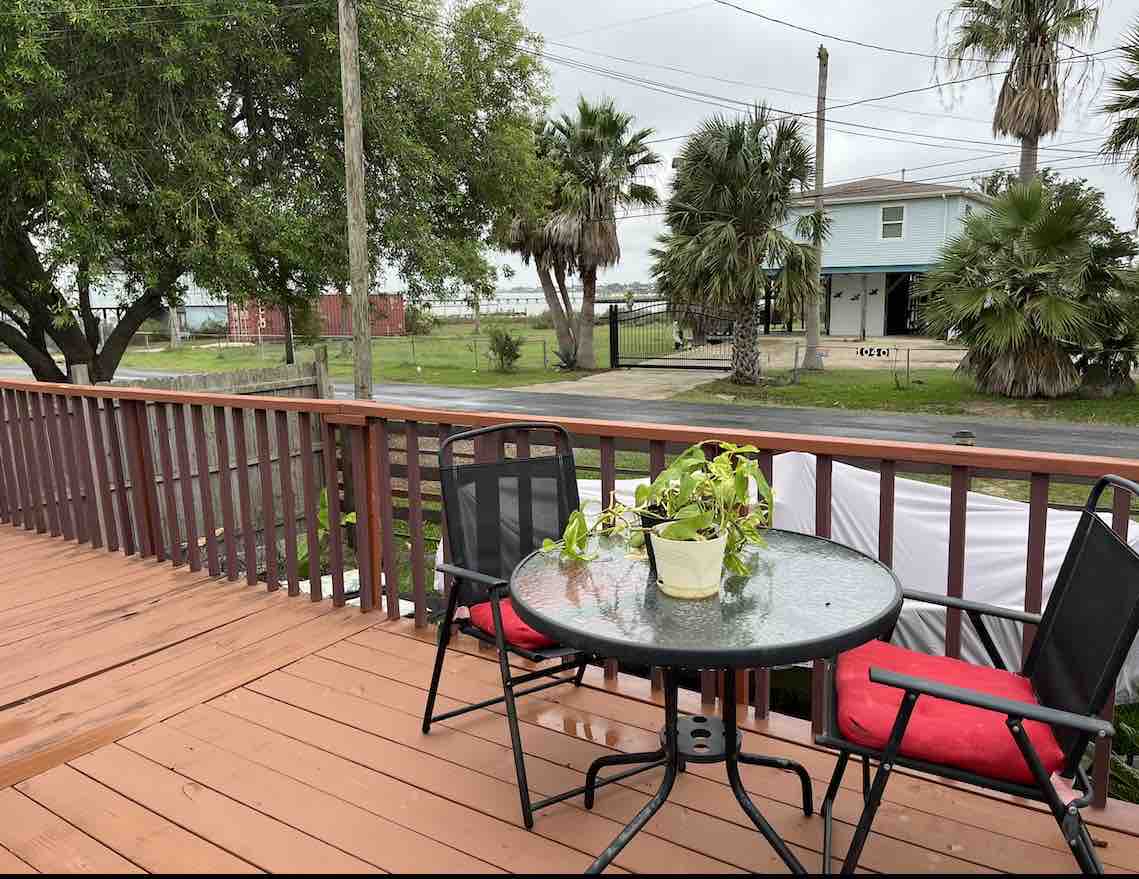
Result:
996,541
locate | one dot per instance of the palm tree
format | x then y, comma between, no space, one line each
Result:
1027,36
1123,142
734,183
602,161
1040,279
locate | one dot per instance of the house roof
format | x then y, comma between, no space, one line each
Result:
883,187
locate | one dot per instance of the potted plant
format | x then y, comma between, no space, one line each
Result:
697,517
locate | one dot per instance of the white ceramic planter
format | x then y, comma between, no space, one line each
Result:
688,568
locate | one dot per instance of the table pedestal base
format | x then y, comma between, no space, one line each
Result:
696,739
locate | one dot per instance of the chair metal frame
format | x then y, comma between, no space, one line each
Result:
1085,727
497,588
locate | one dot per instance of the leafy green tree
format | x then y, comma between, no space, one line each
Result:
601,163
731,194
1123,142
147,143
1031,38
1033,285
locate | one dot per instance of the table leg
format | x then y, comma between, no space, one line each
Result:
670,771
734,758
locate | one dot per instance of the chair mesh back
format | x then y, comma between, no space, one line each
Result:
499,512
1088,627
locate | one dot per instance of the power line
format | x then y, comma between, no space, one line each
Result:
736,105
623,22
834,37
761,87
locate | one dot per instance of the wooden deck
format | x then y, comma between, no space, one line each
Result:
157,720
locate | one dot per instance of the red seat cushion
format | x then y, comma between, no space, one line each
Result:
940,731
514,630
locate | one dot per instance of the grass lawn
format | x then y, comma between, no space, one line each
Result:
452,355
932,391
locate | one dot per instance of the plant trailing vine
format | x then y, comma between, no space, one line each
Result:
704,493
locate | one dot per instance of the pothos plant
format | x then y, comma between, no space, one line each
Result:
704,493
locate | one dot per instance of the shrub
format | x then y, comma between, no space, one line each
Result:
543,321
505,347
418,320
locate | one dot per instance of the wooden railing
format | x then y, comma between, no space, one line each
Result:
142,471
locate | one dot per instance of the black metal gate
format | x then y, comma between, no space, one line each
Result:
657,334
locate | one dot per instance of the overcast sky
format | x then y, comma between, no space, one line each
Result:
773,63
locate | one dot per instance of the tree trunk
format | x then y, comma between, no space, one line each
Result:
746,368
290,348
175,327
586,358
1029,151
562,328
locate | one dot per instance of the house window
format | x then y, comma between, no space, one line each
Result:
893,219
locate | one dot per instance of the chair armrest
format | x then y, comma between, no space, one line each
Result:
990,610
1025,710
473,576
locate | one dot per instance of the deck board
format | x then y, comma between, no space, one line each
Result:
191,725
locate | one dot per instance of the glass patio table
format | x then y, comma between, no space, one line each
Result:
804,598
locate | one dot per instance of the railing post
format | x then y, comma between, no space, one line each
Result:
1034,569
380,483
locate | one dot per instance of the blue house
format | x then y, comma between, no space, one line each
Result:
884,235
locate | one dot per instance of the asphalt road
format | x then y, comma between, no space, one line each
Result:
1008,433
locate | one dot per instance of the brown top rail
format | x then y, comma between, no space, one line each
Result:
349,411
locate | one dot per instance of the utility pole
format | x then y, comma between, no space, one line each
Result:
354,186
811,356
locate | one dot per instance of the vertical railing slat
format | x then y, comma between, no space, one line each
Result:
35,482
445,461
186,484
824,474
608,486
335,532
6,505
8,460
122,498
656,467
288,501
102,474
225,493
268,513
309,486
202,455
166,461
886,482
356,442
86,476
1034,567
28,511
52,496
415,523
761,699
71,468
150,481
143,527
1101,765
380,442
958,506
245,496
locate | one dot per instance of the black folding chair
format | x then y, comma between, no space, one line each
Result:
1022,734
496,513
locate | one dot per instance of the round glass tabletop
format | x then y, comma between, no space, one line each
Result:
804,598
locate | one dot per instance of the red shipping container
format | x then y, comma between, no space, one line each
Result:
252,321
